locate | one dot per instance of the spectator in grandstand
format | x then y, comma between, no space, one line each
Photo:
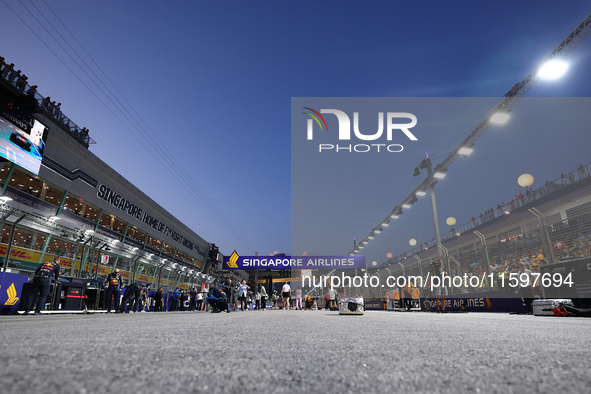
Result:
439,290
159,300
31,91
263,298
500,274
582,171
566,255
114,283
529,195
513,205
243,294
526,288
132,296
286,294
540,257
519,199
41,284
564,179
12,77
493,266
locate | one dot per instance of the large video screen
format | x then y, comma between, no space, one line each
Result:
22,142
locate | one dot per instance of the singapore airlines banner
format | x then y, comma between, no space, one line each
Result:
234,261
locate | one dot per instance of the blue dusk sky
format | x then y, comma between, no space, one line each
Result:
212,84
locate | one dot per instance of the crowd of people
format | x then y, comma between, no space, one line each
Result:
230,297
506,256
503,208
20,81
138,297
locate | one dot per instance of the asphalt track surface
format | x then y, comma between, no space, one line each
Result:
294,352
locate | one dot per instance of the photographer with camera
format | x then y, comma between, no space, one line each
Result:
217,299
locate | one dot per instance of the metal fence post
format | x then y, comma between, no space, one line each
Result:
545,236
486,258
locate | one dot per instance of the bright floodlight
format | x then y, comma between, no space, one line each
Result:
499,118
405,205
394,216
439,175
464,150
385,224
553,69
421,193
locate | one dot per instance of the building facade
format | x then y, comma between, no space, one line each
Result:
74,205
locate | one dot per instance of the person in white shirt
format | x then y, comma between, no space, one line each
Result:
242,294
263,298
332,296
199,300
257,298
286,293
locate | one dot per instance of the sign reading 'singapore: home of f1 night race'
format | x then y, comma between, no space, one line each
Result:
234,261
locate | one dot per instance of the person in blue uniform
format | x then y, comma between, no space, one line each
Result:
218,300
175,299
113,283
132,296
42,283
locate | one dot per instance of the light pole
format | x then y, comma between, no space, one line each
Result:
426,164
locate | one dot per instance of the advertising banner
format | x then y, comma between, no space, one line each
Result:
11,286
29,259
234,261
